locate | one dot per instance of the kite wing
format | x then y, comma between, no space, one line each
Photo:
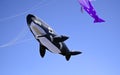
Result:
87,6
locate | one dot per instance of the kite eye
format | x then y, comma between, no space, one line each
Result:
50,30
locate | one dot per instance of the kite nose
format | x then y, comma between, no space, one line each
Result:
29,18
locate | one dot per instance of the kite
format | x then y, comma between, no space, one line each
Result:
48,39
87,6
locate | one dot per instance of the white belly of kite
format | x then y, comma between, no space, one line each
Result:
49,45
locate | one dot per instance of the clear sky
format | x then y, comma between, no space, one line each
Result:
99,42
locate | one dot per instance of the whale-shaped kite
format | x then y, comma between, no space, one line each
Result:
87,6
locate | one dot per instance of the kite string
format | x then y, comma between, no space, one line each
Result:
22,33
12,42
37,6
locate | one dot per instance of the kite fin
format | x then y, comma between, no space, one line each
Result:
98,20
42,50
82,9
60,38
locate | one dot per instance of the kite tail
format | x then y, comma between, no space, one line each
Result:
98,20
72,53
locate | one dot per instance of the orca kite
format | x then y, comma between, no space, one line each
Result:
48,39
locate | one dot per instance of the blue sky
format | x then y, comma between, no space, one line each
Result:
99,42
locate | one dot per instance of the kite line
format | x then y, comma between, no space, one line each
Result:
23,32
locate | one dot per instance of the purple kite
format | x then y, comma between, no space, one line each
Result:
87,6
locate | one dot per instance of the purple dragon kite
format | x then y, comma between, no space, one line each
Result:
87,6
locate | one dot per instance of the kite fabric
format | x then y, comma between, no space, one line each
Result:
87,6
